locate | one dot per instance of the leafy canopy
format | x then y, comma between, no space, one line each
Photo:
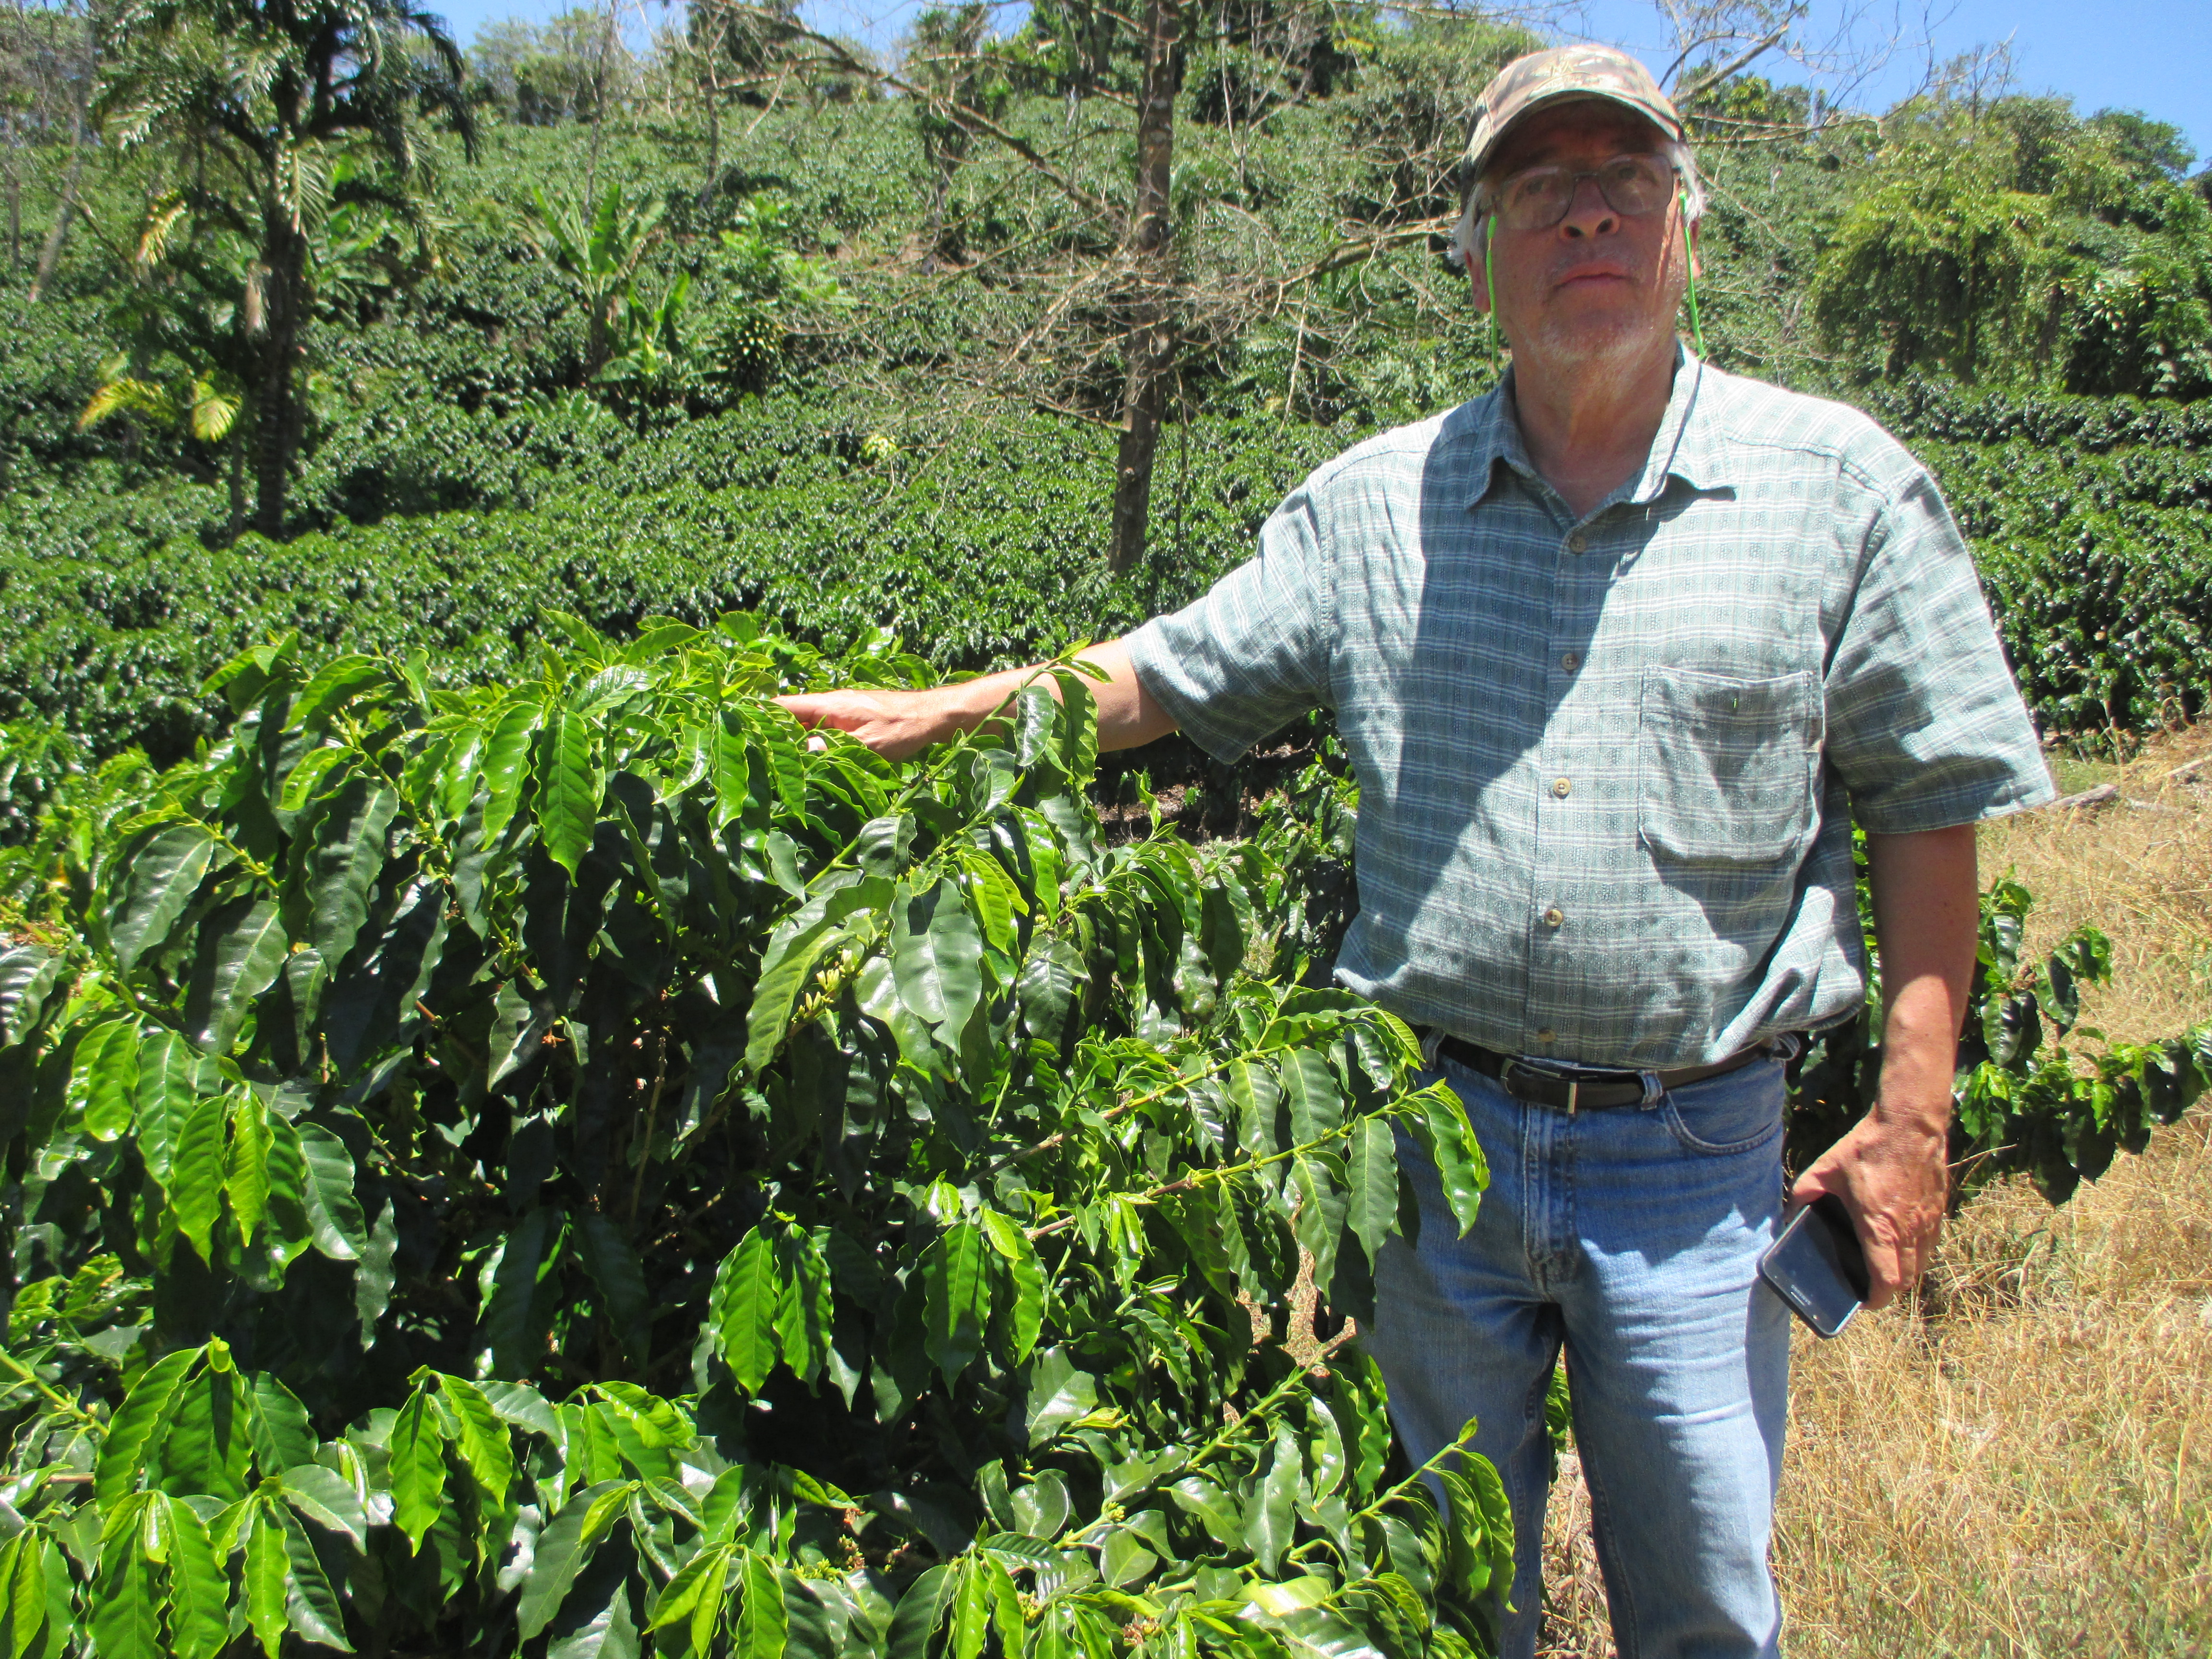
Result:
574,1167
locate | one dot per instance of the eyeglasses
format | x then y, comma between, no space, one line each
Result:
1538,197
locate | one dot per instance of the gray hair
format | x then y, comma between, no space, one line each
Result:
1473,227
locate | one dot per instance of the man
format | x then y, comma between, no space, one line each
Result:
1618,651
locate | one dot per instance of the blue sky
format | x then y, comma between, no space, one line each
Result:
2151,55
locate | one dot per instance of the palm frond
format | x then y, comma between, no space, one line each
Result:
216,400
162,218
128,395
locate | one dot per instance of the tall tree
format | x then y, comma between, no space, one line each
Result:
1151,335
544,75
946,57
2015,243
46,63
278,111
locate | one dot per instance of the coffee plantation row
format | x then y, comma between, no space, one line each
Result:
571,1168
981,541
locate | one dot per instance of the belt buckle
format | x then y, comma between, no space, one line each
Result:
1514,1062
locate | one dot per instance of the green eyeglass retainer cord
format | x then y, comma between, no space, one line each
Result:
1489,291
1697,330
1490,283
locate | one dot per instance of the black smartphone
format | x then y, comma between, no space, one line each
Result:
1817,1265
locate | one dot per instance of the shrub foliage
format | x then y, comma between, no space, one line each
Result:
573,1168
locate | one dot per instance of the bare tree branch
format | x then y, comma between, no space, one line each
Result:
840,56
1713,77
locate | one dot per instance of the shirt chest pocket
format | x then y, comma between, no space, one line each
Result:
1727,768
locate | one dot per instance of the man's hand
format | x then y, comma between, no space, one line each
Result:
1891,1169
1892,1177
897,724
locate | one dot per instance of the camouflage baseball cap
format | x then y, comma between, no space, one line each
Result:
1528,84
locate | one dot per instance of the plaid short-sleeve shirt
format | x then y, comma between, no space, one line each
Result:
1608,766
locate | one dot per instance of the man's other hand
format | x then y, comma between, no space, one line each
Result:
1891,1170
1892,1177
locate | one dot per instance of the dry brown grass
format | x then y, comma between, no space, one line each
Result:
2018,1464
2142,870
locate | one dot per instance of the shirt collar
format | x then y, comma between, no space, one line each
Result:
1689,444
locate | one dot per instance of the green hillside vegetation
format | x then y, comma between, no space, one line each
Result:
858,378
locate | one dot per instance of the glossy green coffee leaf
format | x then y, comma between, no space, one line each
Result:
326,1499
569,795
265,1572
763,1624
1315,1099
1371,1181
348,857
956,1281
924,1606
105,1070
417,1467
310,777
1271,1519
784,975
805,1309
242,946
694,1595
937,954
1449,1141
728,769
23,1591
196,1178
126,1596
199,1591
172,1076
563,1548
1024,1273
311,1604
335,684
1057,1394
161,876
745,1299
506,763
1317,1182
246,1177
341,1232
479,1438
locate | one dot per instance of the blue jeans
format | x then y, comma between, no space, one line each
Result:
1632,1235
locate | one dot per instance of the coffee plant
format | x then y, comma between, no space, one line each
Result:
577,1168
2025,1103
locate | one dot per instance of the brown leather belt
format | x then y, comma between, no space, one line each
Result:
1572,1088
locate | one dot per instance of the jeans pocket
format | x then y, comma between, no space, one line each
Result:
1734,1113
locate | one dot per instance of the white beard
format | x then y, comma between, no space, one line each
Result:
1591,346
1610,345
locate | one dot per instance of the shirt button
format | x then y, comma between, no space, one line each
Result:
1570,662
1578,542
1547,1035
1554,916
1562,789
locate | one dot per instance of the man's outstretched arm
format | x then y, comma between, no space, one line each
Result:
1890,1170
895,723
